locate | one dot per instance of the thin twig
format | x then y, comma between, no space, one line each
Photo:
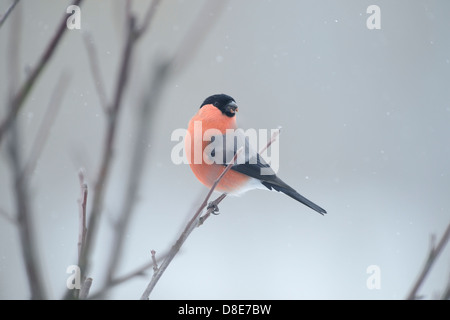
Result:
85,288
193,223
211,209
219,199
95,70
138,272
196,221
107,155
25,225
7,216
273,138
137,164
138,153
141,271
113,113
155,263
148,17
446,293
47,123
180,60
82,202
21,95
21,193
432,257
82,233
8,11
163,70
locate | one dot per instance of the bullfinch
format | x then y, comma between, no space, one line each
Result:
211,142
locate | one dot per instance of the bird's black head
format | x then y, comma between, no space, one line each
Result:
224,103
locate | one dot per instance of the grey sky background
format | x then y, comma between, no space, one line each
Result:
366,126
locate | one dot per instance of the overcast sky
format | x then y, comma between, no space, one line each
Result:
365,119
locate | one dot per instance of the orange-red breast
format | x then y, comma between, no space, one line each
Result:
217,114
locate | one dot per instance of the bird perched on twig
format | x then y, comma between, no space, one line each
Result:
211,143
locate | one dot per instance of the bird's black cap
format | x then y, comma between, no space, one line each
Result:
223,102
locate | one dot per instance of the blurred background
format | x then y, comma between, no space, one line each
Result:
366,127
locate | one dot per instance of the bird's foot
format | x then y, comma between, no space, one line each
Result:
215,208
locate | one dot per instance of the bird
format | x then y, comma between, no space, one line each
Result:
208,154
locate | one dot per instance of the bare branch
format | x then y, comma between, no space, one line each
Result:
82,233
107,155
19,98
138,272
47,123
137,163
214,204
432,257
82,201
446,293
8,11
7,216
212,207
196,221
148,17
155,263
85,288
25,225
128,13
138,155
274,137
193,223
95,70
113,113
21,193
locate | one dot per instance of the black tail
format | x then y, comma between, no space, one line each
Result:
280,186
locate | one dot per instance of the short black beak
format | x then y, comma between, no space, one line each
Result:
231,107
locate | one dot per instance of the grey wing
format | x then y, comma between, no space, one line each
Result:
250,163
223,148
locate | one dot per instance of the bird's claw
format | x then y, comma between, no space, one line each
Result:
215,208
